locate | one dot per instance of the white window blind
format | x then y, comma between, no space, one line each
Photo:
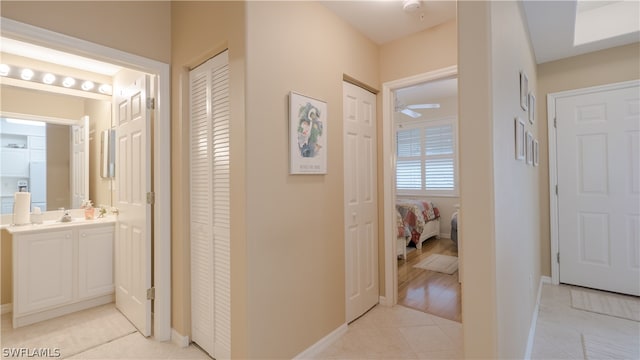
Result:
426,158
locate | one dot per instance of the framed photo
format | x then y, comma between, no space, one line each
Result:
524,90
529,146
532,108
307,135
536,152
519,138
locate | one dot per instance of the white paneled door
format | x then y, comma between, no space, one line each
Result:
133,235
598,163
79,162
360,200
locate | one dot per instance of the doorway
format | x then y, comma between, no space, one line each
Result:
392,246
594,162
161,135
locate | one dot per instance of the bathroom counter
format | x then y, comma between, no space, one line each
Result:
55,224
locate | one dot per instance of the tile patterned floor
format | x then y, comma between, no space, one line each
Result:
402,333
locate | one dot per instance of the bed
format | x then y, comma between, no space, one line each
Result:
417,221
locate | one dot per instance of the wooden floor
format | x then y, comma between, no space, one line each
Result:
429,291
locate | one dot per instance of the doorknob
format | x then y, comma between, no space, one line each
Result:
115,211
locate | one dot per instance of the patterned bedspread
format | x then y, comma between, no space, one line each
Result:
412,215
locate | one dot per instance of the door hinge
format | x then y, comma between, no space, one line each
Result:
151,293
151,103
555,122
558,257
151,198
556,189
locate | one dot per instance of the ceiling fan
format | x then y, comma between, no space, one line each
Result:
408,109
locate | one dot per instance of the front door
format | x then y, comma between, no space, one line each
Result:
360,200
133,233
598,160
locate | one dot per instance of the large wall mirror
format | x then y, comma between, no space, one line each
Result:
37,143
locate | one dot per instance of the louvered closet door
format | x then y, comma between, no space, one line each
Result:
209,216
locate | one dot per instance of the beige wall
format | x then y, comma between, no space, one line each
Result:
143,27
295,225
23,101
58,162
500,195
477,213
597,68
200,31
6,287
99,113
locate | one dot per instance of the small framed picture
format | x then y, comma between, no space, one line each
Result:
307,135
519,138
532,108
529,145
536,152
524,91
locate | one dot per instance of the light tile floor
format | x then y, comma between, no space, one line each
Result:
402,333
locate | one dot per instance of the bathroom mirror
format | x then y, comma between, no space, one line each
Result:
108,153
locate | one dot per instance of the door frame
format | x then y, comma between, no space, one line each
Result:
553,168
161,137
389,171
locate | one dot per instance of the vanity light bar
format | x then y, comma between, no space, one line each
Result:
27,74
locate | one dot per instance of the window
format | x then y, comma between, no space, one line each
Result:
426,161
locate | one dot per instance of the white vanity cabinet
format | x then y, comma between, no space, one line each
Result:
60,270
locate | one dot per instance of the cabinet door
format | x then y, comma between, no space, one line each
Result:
44,264
95,261
15,162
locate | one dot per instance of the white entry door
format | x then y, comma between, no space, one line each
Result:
598,163
360,200
79,162
133,235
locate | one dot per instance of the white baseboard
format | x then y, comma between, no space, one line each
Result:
445,235
322,344
534,318
179,339
6,308
383,301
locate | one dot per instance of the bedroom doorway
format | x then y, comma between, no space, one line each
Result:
420,135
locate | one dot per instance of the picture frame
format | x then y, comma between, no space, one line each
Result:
529,146
519,138
307,135
536,152
532,108
524,91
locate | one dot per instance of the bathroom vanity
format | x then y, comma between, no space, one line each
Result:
60,268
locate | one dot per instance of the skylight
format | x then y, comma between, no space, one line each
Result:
598,20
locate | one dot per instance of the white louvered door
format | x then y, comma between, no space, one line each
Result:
210,207
80,163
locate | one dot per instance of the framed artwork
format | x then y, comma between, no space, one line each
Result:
529,145
532,108
524,90
519,138
536,152
307,135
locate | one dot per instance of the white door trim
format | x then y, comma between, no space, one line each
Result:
389,186
553,169
161,136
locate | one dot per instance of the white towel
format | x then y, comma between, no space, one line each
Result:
21,205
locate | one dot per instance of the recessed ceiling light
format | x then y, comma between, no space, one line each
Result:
48,78
4,69
87,85
68,82
26,74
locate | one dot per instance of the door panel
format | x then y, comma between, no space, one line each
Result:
597,159
80,163
360,200
133,236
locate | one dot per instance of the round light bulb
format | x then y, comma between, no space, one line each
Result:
4,69
105,89
48,78
87,85
68,82
26,74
